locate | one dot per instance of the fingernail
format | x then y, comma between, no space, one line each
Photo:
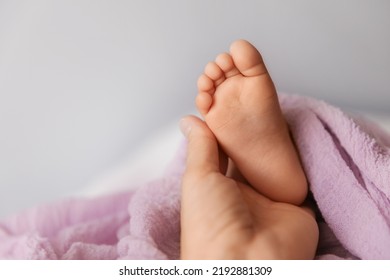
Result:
185,127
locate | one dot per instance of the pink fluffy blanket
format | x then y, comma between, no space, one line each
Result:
347,162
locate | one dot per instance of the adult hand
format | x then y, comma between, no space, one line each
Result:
222,218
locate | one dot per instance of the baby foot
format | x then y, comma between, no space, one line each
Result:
238,101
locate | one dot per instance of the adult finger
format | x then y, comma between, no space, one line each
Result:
202,153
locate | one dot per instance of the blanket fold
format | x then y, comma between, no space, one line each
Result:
349,174
346,161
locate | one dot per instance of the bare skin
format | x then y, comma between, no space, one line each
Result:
222,218
238,101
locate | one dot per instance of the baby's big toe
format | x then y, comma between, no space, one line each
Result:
247,59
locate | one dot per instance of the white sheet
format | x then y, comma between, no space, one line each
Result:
145,164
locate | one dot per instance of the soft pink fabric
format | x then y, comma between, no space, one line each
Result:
347,163
348,167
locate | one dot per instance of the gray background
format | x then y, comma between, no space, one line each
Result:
82,83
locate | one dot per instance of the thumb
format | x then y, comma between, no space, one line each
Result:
202,151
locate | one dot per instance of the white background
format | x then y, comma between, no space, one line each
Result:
84,83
